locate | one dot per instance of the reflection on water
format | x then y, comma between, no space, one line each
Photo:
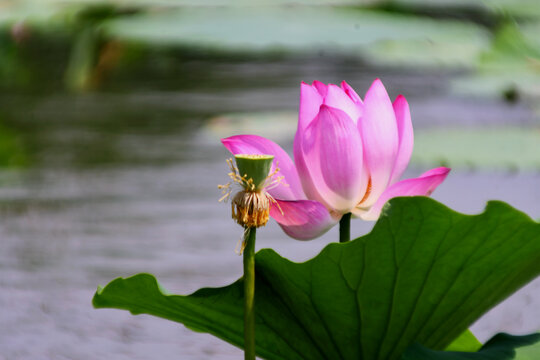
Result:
121,182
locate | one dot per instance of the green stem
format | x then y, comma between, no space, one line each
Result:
249,294
345,228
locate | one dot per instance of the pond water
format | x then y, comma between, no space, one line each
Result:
124,180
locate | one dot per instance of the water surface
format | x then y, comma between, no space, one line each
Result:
124,180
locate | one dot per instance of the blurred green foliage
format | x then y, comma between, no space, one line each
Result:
12,151
511,67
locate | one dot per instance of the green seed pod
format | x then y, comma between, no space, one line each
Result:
255,169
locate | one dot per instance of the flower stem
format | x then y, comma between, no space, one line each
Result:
249,294
345,228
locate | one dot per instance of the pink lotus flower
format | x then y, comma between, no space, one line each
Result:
349,155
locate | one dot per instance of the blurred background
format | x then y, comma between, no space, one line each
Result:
111,114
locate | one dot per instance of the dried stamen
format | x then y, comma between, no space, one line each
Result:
251,209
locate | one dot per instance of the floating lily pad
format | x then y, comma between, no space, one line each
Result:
272,125
497,148
378,36
447,52
34,13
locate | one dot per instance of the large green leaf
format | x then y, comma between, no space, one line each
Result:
500,347
530,352
466,342
423,275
